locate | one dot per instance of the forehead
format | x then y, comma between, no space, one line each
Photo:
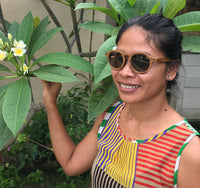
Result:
138,39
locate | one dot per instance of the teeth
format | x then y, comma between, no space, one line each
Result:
128,87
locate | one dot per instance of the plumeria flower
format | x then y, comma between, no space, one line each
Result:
9,37
2,55
24,69
1,42
18,51
19,44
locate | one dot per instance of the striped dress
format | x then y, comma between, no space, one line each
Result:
123,162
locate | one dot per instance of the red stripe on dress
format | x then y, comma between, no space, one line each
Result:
157,176
186,129
171,171
175,137
151,180
153,170
144,184
149,147
155,163
167,144
153,154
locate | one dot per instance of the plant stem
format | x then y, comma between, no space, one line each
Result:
55,20
8,77
75,27
46,147
3,21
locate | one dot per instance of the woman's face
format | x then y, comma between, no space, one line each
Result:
134,87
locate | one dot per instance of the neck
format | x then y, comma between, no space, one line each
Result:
147,111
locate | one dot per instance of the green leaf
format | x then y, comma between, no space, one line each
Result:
42,40
16,104
151,5
132,2
139,7
4,38
13,30
123,8
101,66
4,68
155,9
39,30
66,59
25,29
93,6
188,22
5,133
191,43
102,97
173,7
55,73
98,27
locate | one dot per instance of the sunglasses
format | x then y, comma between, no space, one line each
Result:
139,62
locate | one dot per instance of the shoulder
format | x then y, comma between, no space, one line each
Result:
189,171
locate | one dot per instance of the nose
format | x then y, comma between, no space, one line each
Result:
126,71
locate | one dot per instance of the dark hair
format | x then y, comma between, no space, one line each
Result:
162,31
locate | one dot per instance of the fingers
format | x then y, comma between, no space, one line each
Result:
50,92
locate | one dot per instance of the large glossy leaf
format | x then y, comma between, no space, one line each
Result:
13,30
156,8
123,8
102,97
4,68
42,40
139,7
39,30
16,104
55,73
98,27
26,28
151,6
132,2
101,66
4,38
173,7
191,43
146,6
188,22
66,59
93,6
5,133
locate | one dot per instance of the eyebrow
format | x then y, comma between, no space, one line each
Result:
136,52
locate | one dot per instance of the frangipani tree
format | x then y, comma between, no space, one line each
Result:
18,48
105,92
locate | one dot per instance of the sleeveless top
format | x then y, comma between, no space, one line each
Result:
123,162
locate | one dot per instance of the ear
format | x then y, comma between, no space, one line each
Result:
172,69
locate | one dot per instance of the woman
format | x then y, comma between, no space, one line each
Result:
142,141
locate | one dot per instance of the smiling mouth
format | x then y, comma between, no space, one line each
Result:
128,86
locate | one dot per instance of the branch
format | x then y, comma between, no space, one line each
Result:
3,21
87,54
75,27
57,23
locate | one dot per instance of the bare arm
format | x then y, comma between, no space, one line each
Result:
189,171
75,159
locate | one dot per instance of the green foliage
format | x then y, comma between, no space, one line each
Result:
126,9
18,48
30,159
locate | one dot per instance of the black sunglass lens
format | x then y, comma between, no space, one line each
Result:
140,62
115,59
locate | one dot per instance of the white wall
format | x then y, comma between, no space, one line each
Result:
15,10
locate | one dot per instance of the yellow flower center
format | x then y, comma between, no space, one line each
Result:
2,56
